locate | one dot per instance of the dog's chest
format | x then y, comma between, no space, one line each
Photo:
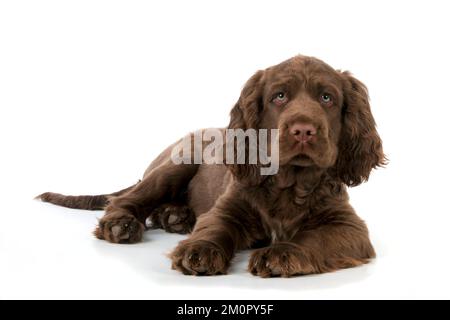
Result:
283,212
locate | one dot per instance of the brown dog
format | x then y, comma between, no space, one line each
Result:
300,218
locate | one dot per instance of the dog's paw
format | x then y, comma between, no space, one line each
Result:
172,218
199,258
177,219
279,260
119,227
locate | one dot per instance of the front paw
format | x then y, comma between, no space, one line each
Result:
282,259
199,257
119,227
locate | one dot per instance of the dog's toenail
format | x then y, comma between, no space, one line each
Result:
116,231
125,236
172,219
149,223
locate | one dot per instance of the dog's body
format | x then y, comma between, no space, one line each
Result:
200,192
300,218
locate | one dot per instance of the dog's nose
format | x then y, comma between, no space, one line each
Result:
302,132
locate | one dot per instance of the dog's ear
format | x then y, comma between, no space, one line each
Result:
360,147
246,115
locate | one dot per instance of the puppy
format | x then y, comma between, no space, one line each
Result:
298,220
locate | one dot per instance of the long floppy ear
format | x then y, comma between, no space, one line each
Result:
246,115
360,147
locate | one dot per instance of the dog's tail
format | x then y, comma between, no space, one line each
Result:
96,202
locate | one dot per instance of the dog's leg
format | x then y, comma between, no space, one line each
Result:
126,214
336,245
229,226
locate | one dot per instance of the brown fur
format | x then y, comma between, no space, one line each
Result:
300,219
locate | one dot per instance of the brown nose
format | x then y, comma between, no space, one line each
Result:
302,132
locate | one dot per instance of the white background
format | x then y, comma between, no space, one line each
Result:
91,91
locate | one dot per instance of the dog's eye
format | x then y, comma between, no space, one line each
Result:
326,99
280,98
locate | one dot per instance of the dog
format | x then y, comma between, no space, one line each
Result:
298,220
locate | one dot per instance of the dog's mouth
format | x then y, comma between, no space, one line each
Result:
302,160
298,154
306,155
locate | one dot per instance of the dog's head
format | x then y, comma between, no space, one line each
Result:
323,116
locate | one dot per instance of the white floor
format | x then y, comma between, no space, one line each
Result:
48,252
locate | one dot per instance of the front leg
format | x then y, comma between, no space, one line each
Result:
343,243
229,226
